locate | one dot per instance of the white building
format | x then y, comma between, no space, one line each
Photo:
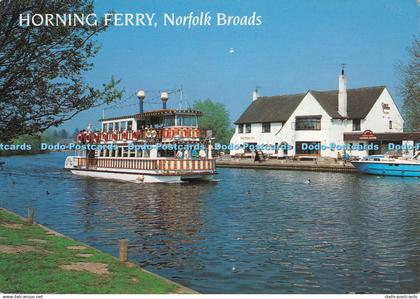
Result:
311,123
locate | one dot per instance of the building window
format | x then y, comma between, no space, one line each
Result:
248,128
308,123
356,124
240,128
390,124
266,127
308,148
250,148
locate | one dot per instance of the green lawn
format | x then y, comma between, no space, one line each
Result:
34,266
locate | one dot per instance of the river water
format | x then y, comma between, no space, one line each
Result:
255,231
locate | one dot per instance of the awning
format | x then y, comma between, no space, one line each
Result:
372,136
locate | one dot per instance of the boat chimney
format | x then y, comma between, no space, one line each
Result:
141,96
164,97
255,94
342,93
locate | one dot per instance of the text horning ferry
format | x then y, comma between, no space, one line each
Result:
128,160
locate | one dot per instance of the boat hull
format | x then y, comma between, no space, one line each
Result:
140,177
391,169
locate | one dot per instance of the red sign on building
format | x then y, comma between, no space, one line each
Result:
367,135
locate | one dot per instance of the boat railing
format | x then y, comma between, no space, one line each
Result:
170,133
186,165
160,164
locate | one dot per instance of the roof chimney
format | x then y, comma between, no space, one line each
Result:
164,97
342,93
141,96
255,94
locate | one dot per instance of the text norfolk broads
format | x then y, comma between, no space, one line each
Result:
159,146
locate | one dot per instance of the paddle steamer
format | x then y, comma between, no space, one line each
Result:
159,146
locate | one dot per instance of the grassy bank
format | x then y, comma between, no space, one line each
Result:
36,260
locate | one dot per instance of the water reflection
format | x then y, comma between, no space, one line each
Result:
255,231
163,224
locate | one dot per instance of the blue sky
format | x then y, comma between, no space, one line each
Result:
299,46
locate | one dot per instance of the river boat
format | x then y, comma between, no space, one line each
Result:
389,165
158,146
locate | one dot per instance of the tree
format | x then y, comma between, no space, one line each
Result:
63,134
75,133
33,140
48,137
409,87
216,118
55,135
42,67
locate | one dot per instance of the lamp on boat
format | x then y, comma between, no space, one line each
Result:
141,96
164,97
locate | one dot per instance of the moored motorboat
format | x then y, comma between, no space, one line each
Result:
388,165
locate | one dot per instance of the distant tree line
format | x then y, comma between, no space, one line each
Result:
409,87
215,118
51,137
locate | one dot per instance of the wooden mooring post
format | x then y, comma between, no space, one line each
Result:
123,250
31,215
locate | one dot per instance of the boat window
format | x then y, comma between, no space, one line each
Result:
140,125
169,121
130,125
104,127
190,121
167,153
117,126
110,127
123,125
178,120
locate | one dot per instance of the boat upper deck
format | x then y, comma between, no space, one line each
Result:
163,125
